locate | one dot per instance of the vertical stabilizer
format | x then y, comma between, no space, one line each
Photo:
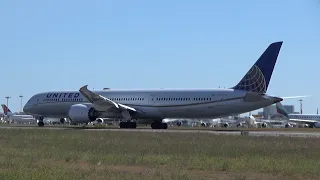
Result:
6,110
281,110
258,77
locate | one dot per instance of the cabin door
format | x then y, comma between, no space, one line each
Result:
152,99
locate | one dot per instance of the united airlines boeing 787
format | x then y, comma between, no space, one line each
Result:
152,106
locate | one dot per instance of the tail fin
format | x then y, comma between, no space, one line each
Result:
281,110
5,109
258,77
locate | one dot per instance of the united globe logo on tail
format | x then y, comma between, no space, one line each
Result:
258,77
253,81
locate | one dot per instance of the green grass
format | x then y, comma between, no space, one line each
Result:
78,154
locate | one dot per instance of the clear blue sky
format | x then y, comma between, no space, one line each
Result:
55,45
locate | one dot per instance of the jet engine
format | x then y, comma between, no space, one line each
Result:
62,120
203,124
288,125
226,125
179,123
317,125
81,113
240,125
100,121
264,125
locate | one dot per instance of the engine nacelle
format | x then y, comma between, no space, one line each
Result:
62,120
226,125
179,123
317,125
264,125
203,124
288,125
240,125
79,113
100,121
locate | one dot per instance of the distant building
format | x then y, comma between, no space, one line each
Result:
269,111
272,110
289,108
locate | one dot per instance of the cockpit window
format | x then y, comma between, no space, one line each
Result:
29,101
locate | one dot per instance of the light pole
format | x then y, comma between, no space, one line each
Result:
7,97
300,106
21,103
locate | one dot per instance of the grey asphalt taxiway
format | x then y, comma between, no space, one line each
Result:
224,132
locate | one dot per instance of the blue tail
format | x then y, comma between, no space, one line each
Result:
258,77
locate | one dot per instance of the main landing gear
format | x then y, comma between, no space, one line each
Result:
133,125
40,122
159,125
128,125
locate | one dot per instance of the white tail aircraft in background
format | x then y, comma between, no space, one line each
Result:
153,106
16,117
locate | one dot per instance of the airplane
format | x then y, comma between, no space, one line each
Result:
252,122
220,122
311,120
215,122
152,106
16,117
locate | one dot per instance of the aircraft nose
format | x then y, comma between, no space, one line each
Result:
26,109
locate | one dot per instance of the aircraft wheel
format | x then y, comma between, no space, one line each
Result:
40,123
153,125
164,126
123,125
158,125
133,125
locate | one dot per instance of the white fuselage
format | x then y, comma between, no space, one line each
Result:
315,117
203,103
20,118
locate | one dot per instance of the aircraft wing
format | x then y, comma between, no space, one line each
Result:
303,120
312,123
101,103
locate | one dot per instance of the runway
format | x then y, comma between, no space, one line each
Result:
224,132
250,133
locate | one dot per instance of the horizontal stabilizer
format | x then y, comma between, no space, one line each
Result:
295,97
